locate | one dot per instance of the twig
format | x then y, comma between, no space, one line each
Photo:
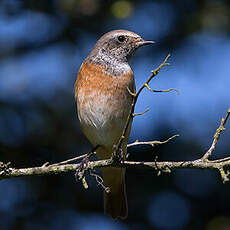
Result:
219,130
152,143
221,160
154,74
93,151
135,97
140,114
68,161
161,91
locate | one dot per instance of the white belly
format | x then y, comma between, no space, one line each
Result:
101,124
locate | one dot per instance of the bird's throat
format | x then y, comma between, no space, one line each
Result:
112,65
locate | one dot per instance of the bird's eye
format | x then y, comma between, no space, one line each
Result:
121,38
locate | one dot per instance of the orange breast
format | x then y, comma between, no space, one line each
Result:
103,103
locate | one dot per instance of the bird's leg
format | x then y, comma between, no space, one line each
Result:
118,154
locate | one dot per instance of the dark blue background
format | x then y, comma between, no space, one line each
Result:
42,44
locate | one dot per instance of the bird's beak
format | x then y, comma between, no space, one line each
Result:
143,43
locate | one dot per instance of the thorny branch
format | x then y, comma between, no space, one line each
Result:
221,165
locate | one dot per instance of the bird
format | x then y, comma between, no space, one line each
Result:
103,96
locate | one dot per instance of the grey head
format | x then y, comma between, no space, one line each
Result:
114,49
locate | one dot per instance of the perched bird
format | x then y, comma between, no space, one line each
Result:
103,106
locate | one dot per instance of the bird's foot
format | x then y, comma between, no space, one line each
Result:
118,154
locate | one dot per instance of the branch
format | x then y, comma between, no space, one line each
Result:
160,91
152,143
135,97
217,135
221,165
140,114
202,163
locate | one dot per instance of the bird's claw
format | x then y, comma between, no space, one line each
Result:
118,154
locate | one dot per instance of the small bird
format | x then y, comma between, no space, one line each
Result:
103,106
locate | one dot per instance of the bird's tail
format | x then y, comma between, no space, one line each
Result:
115,202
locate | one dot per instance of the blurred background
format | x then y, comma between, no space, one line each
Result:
42,44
